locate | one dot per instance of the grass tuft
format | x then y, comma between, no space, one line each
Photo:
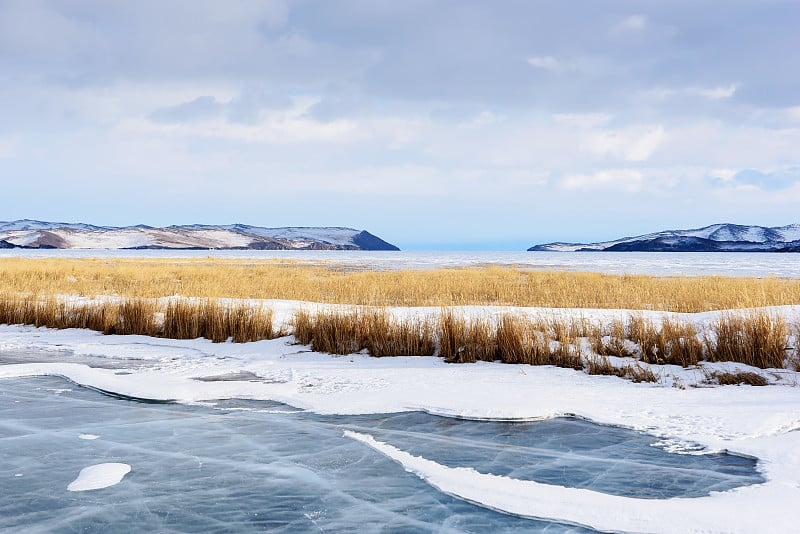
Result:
757,339
463,340
387,336
636,372
734,379
135,316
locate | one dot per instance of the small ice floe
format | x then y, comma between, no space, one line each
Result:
99,476
88,436
676,446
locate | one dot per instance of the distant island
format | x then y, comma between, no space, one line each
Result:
714,238
55,235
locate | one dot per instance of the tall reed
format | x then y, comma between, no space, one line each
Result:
388,336
757,339
466,340
182,319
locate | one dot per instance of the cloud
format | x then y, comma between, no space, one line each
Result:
627,180
202,107
545,62
793,113
723,175
634,23
515,108
561,66
8,147
276,130
248,107
484,118
716,93
774,180
583,120
637,143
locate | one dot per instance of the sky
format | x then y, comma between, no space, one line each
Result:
433,124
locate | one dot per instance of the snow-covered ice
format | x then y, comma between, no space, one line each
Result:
758,264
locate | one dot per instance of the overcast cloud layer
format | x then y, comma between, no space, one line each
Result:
430,123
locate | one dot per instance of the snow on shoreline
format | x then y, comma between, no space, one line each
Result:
760,422
601,511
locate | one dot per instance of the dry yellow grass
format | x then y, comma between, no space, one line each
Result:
735,379
755,338
345,332
329,283
28,290
178,320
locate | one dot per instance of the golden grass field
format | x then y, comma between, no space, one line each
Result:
32,292
332,283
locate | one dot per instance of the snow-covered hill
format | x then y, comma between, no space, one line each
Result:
39,234
714,238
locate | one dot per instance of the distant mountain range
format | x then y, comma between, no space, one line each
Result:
38,234
714,238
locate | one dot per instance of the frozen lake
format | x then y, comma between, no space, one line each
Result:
656,263
245,466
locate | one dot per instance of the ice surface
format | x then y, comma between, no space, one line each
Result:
563,451
655,263
253,465
219,469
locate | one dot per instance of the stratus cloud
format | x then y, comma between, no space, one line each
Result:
765,180
581,64
793,113
583,120
717,92
628,180
8,147
484,118
202,107
630,144
401,180
545,62
723,175
634,23
204,117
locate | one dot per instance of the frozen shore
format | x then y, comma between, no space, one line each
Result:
759,422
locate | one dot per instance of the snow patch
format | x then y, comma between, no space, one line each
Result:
99,476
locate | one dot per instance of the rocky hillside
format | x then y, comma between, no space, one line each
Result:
39,234
714,238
